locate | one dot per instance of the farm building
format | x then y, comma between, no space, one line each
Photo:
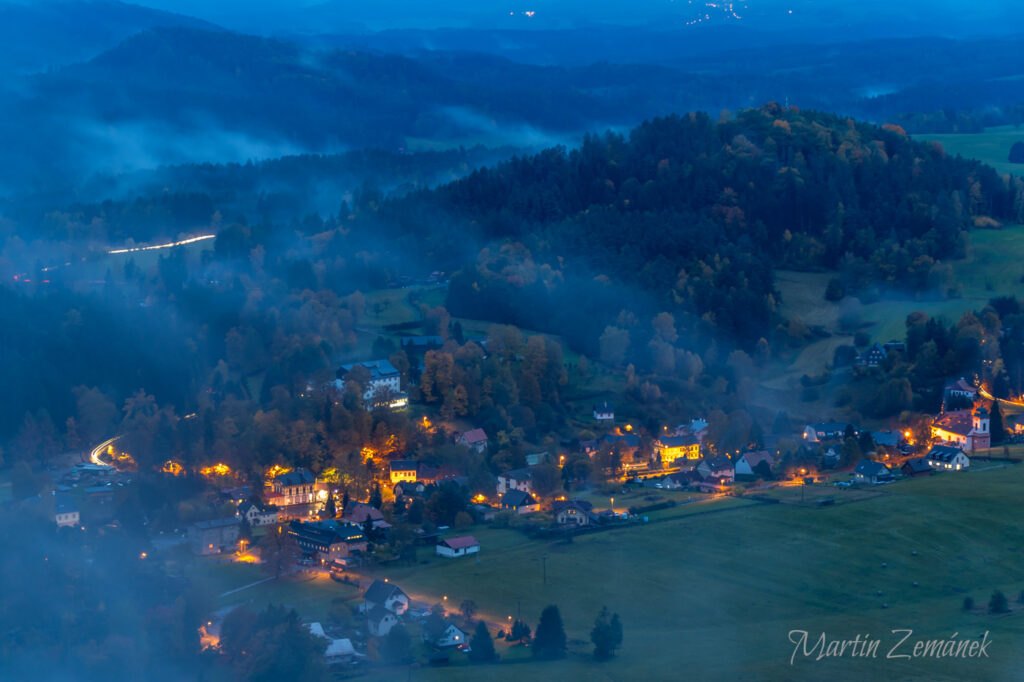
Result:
456,547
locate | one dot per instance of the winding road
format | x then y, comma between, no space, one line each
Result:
94,455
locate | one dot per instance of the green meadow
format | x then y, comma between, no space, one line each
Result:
715,596
991,147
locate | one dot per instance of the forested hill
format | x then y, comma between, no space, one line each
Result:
699,213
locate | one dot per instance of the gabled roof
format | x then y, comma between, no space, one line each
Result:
339,647
720,463
379,369
379,592
961,385
64,504
329,532
629,440
244,508
876,348
756,457
684,441
378,613
917,465
959,422
464,542
409,487
830,427
474,436
297,477
603,407
886,438
685,477
517,498
579,505
358,512
404,465
943,453
524,474
867,467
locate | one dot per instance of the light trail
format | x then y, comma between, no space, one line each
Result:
988,396
94,456
169,245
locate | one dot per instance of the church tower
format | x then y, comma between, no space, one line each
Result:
981,420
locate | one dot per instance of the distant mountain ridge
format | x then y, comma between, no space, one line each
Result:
46,34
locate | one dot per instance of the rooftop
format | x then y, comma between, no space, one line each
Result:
297,477
959,422
379,369
517,498
463,542
474,436
404,465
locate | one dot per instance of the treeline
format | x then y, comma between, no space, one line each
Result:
968,120
695,215
984,346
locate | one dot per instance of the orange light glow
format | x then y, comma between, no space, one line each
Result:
629,427
143,555
426,423
173,468
218,469
480,499
276,470
208,640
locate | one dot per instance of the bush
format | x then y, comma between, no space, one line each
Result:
835,291
1017,152
968,604
997,603
861,339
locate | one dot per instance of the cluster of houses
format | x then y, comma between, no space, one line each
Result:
385,605
680,453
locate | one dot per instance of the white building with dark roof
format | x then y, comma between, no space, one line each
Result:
65,510
947,458
385,382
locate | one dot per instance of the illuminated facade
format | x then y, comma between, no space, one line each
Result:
671,448
294,487
966,429
946,458
328,541
403,470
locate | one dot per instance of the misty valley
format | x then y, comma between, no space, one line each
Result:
579,340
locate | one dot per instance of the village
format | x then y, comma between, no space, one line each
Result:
302,523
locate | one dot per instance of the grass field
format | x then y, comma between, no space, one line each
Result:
993,267
991,147
714,596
